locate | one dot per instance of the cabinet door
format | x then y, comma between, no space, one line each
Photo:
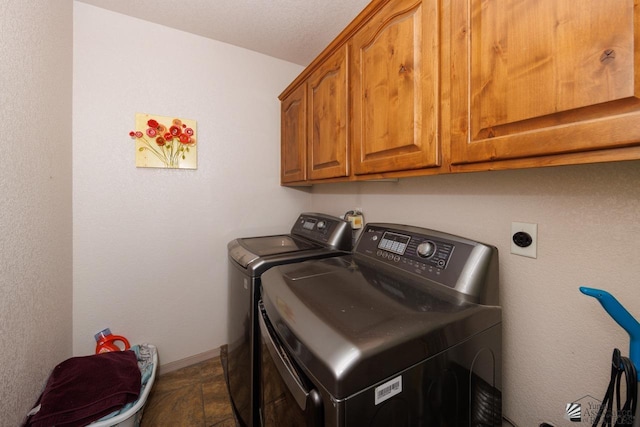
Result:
327,118
394,81
293,136
538,77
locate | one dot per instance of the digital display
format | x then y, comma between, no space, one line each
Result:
309,224
392,242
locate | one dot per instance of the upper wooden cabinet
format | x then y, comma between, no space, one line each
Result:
327,118
416,87
542,77
293,156
394,89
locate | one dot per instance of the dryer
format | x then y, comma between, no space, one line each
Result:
406,331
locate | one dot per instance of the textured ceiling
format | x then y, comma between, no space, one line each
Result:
293,30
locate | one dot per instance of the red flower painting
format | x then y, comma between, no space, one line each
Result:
164,142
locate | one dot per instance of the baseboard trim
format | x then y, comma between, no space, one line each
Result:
188,361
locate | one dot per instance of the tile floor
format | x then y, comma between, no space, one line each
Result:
193,396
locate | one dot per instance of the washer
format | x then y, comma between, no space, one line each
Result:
312,236
406,331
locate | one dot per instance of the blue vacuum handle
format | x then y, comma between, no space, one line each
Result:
622,318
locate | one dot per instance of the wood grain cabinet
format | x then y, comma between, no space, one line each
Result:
293,134
327,118
416,87
314,124
543,80
394,89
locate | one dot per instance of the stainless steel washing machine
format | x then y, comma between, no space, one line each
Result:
312,236
404,332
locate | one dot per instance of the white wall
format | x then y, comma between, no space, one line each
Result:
150,257
35,198
557,342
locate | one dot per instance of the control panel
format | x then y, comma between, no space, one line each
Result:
436,256
324,229
413,249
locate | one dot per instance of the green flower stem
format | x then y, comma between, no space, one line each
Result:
176,155
162,157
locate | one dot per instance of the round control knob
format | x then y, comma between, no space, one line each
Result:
426,249
321,225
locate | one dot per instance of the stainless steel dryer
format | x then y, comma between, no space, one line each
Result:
312,236
404,332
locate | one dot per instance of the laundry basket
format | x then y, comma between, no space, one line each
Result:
131,416
82,388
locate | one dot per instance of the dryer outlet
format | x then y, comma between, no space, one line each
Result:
524,239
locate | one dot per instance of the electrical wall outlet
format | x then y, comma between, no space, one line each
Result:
356,219
524,239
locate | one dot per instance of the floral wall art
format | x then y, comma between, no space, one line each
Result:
165,142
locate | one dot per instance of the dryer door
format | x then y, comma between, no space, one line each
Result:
288,396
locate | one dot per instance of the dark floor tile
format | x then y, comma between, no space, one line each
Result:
217,406
229,422
193,396
179,407
212,370
180,378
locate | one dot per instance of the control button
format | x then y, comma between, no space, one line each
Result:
441,263
321,225
379,253
374,237
426,249
396,258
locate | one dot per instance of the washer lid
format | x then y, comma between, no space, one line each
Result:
350,326
246,250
